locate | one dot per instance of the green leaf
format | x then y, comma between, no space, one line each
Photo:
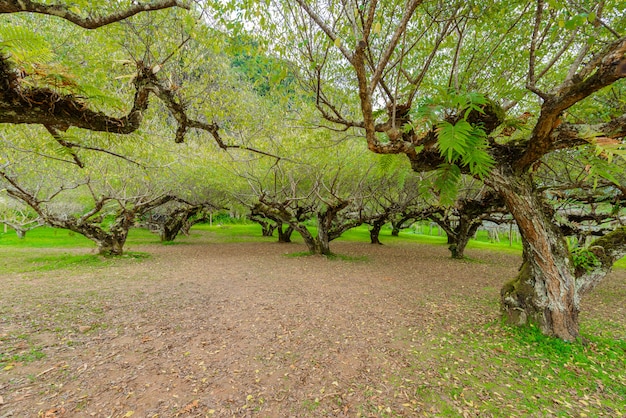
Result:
447,183
476,155
453,138
591,17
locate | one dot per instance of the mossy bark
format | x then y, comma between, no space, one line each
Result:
544,293
284,233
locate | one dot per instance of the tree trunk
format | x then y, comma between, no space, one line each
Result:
21,233
284,234
323,238
309,239
169,229
267,229
395,230
544,292
167,233
111,245
375,232
464,231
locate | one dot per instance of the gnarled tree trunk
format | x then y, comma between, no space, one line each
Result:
111,245
461,235
267,226
284,233
544,292
458,235
375,231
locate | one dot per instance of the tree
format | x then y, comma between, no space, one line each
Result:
176,216
106,210
317,185
18,216
461,220
390,190
422,73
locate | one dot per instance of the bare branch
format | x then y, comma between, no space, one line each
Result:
533,43
608,67
384,60
559,54
327,29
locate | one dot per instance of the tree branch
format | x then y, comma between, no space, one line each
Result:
384,60
327,29
605,69
43,106
607,249
87,22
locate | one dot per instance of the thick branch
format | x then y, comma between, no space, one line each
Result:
609,67
87,22
568,135
608,250
43,106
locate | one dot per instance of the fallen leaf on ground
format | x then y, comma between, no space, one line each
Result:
189,408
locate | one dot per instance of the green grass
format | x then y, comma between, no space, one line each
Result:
46,237
63,261
43,238
503,371
244,232
17,349
28,356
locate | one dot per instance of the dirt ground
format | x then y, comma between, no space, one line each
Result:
237,329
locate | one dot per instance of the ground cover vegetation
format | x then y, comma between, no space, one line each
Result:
301,115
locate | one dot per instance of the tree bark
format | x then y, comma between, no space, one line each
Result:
169,231
64,12
111,245
544,292
375,233
465,230
267,229
284,233
309,239
459,236
323,236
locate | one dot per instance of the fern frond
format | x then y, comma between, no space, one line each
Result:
447,183
476,155
23,44
452,139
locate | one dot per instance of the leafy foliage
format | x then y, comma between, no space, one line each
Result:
447,182
584,259
23,44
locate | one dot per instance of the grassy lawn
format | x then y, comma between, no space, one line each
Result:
52,238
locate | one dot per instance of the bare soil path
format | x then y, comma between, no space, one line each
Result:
241,329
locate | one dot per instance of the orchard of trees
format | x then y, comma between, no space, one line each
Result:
327,113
